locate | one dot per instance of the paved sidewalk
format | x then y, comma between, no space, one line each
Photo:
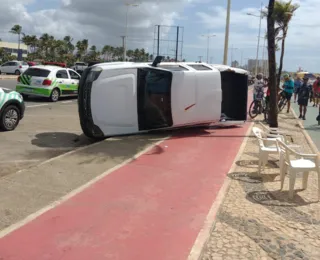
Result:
256,220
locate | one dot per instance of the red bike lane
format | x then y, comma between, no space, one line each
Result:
151,208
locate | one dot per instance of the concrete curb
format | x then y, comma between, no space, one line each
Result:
201,241
305,133
8,77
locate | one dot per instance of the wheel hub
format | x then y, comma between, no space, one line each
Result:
11,118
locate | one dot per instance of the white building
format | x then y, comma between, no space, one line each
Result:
12,48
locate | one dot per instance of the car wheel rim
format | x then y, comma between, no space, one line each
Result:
11,118
55,95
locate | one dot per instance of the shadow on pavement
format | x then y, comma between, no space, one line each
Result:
46,100
60,140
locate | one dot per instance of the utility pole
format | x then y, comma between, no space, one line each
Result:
123,46
126,30
226,40
208,43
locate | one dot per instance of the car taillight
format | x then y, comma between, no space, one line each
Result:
20,67
18,79
47,82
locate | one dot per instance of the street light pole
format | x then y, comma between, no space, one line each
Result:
126,31
208,43
226,40
259,39
260,17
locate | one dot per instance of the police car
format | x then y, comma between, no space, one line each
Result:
11,109
48,81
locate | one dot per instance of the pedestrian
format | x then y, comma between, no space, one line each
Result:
258,85
316,92
297,84
303,97
288,88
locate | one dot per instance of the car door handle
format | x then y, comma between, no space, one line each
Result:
60,82
72,82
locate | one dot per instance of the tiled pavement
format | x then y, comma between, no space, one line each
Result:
257,220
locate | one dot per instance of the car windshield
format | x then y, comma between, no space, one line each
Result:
24,63
36,72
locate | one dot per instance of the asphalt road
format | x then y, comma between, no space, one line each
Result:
47,130
310,124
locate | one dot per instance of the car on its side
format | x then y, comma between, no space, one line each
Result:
47,81
14,67
11,109
128,98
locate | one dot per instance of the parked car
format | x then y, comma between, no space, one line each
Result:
48,81
127,98
14,67
79,67
11,109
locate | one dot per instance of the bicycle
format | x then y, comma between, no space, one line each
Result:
282,101
259,106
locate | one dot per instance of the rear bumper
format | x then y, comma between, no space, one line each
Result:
26,90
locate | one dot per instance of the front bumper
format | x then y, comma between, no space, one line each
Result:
22,109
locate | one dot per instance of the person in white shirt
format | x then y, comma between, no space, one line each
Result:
258,85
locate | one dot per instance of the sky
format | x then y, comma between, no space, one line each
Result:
103,22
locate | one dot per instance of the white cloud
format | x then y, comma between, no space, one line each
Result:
303,36
100,21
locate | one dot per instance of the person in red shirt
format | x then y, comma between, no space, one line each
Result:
316,92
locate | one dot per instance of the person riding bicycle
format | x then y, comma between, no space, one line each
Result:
259,87
288,89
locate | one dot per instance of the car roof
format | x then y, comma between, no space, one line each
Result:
47,67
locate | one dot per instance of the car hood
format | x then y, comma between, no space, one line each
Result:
6,90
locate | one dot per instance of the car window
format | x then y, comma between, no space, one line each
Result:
73,75
199,67
36,72
5,64
24,63
62,74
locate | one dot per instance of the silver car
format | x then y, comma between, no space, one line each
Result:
14,67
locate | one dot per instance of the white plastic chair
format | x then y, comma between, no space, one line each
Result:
268,145
293,163
275,131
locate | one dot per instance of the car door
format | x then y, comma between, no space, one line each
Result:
74,80
5,67
13,66
64,82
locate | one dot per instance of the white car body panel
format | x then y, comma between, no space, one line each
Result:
195,97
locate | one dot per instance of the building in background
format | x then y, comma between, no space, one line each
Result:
263,66
12,48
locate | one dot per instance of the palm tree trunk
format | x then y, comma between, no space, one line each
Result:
273,111
18,46
281,59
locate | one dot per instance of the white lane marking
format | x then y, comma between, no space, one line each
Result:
76,191
18,161
209,224
66,102
41,105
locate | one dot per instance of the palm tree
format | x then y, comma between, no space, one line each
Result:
283,12
273,111
17,29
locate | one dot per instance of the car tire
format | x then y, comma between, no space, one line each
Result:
55,95
10,118
0,72
17,72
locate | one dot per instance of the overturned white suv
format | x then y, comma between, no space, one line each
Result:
127,97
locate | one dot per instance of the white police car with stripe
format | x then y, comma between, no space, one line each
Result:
11,109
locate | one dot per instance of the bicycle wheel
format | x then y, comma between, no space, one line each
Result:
254,108
282,103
